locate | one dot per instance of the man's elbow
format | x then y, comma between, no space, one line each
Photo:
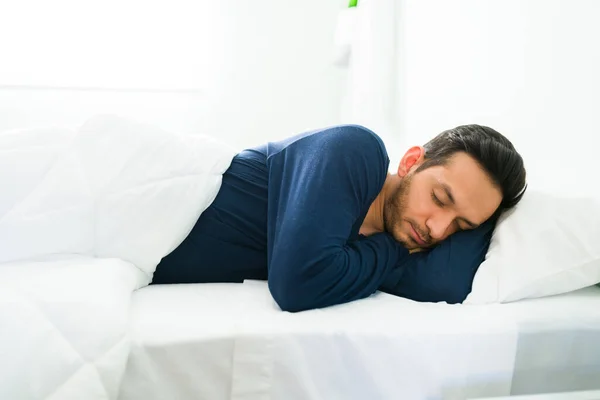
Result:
291,304
288,297
303,286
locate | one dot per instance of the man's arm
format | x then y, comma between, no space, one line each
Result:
444,273
318,186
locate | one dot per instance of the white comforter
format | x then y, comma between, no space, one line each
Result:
85,217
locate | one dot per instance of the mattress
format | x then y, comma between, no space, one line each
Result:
230,341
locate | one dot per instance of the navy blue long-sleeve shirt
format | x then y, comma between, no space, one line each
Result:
290,212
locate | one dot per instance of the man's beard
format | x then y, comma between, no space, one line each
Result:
393,214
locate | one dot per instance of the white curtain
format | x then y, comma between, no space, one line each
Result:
366,46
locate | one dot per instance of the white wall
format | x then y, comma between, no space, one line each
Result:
528,68
267,75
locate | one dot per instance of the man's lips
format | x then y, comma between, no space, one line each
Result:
417,237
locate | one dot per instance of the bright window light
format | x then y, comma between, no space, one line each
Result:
110,44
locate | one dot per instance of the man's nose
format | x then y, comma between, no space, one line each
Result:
439,225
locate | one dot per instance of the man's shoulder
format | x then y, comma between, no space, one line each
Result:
338,140
354,137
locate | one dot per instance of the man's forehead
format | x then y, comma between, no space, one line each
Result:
463,167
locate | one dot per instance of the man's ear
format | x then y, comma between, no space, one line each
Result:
412,159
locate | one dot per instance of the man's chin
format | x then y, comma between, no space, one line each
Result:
407,244
412,248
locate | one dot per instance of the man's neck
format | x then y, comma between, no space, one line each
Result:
373,222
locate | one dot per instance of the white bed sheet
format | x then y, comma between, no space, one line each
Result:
230,341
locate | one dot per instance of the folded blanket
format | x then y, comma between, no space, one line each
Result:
114,188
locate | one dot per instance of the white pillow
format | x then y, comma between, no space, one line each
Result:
547,245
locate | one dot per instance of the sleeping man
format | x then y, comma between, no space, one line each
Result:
319,217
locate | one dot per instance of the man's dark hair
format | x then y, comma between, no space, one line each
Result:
494,152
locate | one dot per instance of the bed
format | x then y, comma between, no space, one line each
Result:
94,211
229,341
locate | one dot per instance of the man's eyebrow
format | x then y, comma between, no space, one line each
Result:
449,194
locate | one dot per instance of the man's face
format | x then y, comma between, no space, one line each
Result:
428,206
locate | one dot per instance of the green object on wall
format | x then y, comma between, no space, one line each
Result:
353,3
